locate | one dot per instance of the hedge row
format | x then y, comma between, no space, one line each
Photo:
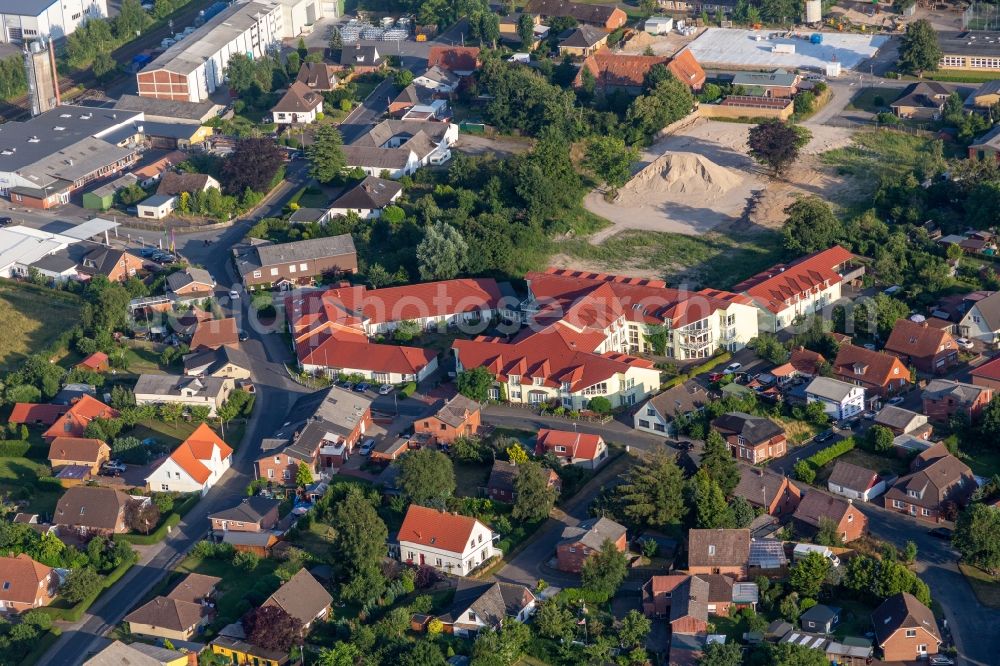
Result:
76,612
14,448
409,389
171,521
824,456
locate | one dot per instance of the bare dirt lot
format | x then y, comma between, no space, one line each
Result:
701,178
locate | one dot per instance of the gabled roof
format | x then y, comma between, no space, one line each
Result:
872,367
820,613
454,58
322,416
443,530
577,444
690,599
686,69
264,254
317,76
370,194
94,361
962,393
249,510
580,11
299,98
900,419
194,454
592,533
618,69
853,477
173,183
90,506
102,260
190,275
194,588
829,388
989,310
359,54
918,340
682,398
816,505
167,613
20,578
776,288
759,485
903,611
75,419
135,654
456,411
302,597
214,333
754,429
80,449
585,36
925,94
214,359
490,601
938,477
30,412
718,547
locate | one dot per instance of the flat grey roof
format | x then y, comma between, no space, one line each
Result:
168,110
53,133
157,200
191,52
304,250
970,43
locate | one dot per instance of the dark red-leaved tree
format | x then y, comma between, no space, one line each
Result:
776,144
271,628
251,165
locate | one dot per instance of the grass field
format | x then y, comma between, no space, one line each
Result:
711,259
865,100
31,323
883,464
985,586
470,478
876,151
19,477
239,591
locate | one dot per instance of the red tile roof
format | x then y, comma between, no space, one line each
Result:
94,362
452,58
355,352
687,69
778,286
614,69
918,340
20,577
29,412
877,368
988,370
195,451
79,414
440,529
214,333
577,444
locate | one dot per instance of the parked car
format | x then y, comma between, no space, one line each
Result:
824,436
940,533
147,252
894,401
367,446
114,466
346,385
964,343
868,415
940,660
715,376
243,336
234,295
733,367
362,387
386,389
4,221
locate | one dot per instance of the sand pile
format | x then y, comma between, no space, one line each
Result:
638,43
687,174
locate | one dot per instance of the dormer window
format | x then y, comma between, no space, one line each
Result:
711,550
560,449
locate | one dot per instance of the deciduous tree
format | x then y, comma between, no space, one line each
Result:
426,477
141,516
776,144
442,253
533,497
611,159
807,575
476,383
810,226
977,536
919,50
252,165
604,570
271,627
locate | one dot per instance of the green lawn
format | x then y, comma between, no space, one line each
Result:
867,98
883,464
316,540
884,150
19,477
239,591
470,478
33,319
855,618
170,434
983,463
711,259
141,358
985,586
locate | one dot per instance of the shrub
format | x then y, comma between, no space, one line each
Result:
409,389
246,560
804,472
14,449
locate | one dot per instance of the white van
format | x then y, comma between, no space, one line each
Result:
803,549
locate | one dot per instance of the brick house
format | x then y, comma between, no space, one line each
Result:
770,491
987,374
283,265
459,60
252,514
572,448
78,452
74,421
501,484
817,506
878,373
905,629
944,398
27,584
936,480
607,17
855,482
116,265
191,282
215,333
689,607
903,421
751,438
579,542
930,350
322,430
719,551
458,417
657,594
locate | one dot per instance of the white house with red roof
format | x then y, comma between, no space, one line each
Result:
449,542
194,466
786,292
628,309
572,448
331,329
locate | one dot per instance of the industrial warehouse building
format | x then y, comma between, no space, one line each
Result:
192,69
44,159
26,20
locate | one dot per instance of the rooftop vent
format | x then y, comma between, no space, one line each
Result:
33,139
59,128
